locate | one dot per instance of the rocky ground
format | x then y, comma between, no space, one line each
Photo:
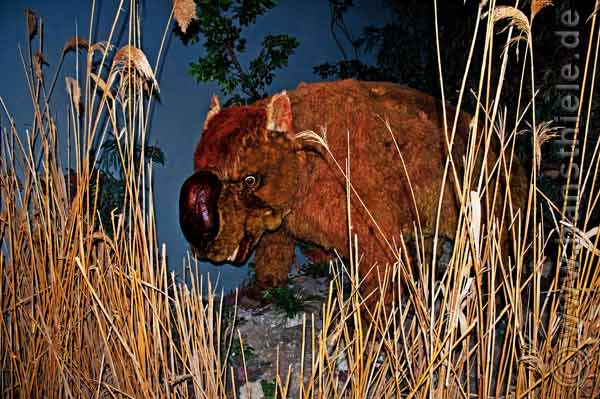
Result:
271,325
271,330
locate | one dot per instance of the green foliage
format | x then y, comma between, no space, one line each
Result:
317,270
221,24
236,352
111,195
285,299
404,50
110,161
269,389
110,175
349,69
350,66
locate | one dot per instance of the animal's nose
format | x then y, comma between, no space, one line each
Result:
198,213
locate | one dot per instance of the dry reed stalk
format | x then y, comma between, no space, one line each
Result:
513,16
76,43
102,47
539,5
128,63
74,93
102,85
542,134
32,23
38,63
184,12
100,315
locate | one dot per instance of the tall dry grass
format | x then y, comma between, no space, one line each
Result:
85,314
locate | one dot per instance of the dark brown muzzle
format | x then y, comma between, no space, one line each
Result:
198,213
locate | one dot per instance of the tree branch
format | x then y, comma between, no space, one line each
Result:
240,70
332,29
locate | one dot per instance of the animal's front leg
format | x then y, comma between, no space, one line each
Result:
273,259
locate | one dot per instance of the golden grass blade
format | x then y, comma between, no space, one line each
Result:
102,85
583,239
74,92
475,222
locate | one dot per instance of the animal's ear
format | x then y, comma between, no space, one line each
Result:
279,113
215,107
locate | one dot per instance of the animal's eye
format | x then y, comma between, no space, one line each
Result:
250,181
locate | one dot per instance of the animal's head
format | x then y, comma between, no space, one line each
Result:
246,178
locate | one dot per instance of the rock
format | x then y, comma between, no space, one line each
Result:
269,335
252,390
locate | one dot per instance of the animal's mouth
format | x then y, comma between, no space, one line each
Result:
241,252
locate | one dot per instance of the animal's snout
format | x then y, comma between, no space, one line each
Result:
198,213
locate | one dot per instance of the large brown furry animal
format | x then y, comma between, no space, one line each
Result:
258,184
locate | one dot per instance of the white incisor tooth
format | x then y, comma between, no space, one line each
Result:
232,257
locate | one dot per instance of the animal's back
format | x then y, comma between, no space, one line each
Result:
370,115
397,158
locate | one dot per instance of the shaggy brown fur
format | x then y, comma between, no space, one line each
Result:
296,194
